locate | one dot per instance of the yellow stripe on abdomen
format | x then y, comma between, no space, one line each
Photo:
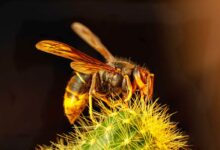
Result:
74,104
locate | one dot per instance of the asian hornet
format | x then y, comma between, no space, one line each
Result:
96,80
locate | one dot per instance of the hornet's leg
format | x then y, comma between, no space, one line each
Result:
92,89
94,93
100,96
144,80
111,104
129,88
151,83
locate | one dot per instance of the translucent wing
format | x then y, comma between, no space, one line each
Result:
82,62
88,36
87,68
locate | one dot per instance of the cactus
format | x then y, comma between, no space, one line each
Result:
138,125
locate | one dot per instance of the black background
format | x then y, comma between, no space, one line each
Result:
174,40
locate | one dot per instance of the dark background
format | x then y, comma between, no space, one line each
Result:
177,41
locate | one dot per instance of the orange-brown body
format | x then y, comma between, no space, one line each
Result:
96,79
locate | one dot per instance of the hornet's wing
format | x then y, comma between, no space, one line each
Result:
88,36
82,62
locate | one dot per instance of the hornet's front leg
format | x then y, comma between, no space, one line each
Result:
144,80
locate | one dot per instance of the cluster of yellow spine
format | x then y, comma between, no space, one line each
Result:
136,126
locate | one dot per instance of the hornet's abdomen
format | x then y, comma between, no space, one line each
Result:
76,96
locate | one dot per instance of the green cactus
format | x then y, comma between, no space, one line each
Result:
134,126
